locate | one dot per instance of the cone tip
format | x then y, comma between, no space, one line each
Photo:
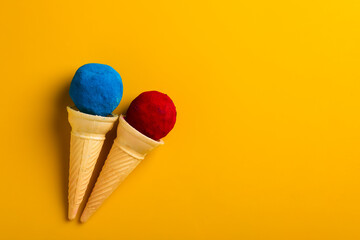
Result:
72,212
83,220
85,216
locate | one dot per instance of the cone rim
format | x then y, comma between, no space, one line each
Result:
98,118
139,134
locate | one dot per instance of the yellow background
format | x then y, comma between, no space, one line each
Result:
266,144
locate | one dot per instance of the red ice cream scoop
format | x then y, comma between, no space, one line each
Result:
152,113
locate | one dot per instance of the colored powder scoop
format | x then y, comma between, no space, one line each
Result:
152,113
96,89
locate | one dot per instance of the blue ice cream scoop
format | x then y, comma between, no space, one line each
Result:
96,89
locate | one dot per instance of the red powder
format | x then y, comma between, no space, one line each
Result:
152,113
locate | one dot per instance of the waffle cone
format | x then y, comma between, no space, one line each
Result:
87,137
129,148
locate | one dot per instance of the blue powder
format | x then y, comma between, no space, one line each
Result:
96,89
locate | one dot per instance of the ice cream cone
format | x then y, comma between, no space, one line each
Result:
129,148
87,137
